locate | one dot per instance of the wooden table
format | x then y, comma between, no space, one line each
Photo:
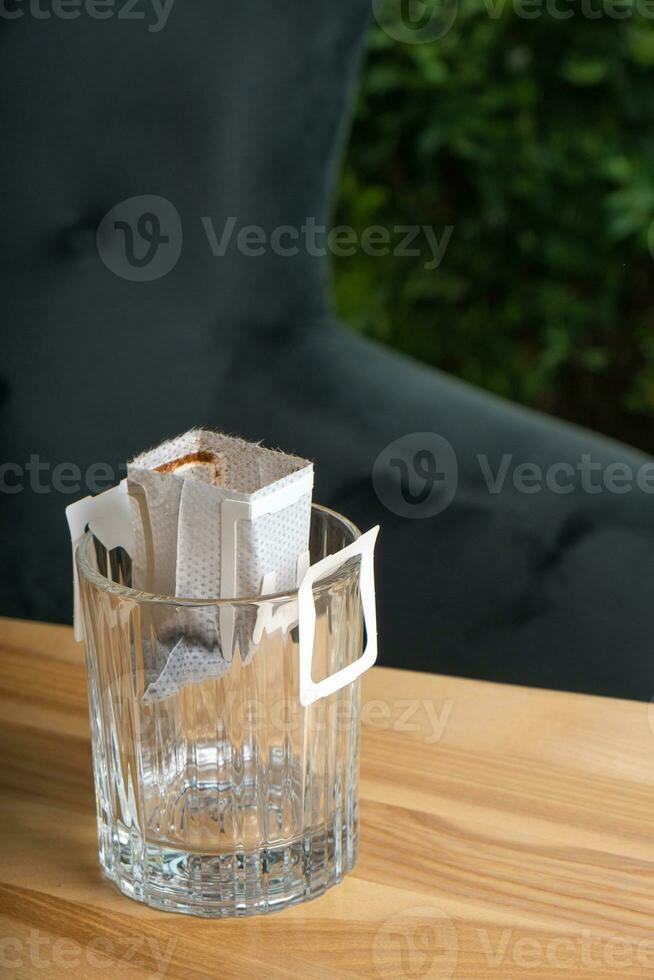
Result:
506,832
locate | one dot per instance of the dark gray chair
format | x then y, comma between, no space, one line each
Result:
239,110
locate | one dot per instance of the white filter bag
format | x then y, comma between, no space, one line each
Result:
214,517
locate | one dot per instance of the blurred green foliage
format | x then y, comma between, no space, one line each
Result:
534,138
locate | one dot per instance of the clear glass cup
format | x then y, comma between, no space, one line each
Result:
227,797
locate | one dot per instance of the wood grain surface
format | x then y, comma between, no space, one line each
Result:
505,832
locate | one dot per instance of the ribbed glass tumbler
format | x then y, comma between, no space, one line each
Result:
225,796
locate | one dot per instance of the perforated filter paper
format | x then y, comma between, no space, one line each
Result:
214,517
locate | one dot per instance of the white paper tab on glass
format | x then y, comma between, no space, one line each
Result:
311,690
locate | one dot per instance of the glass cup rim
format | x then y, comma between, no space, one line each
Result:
92,575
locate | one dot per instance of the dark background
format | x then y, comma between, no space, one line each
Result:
531,138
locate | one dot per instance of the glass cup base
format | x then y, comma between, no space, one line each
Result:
240,883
